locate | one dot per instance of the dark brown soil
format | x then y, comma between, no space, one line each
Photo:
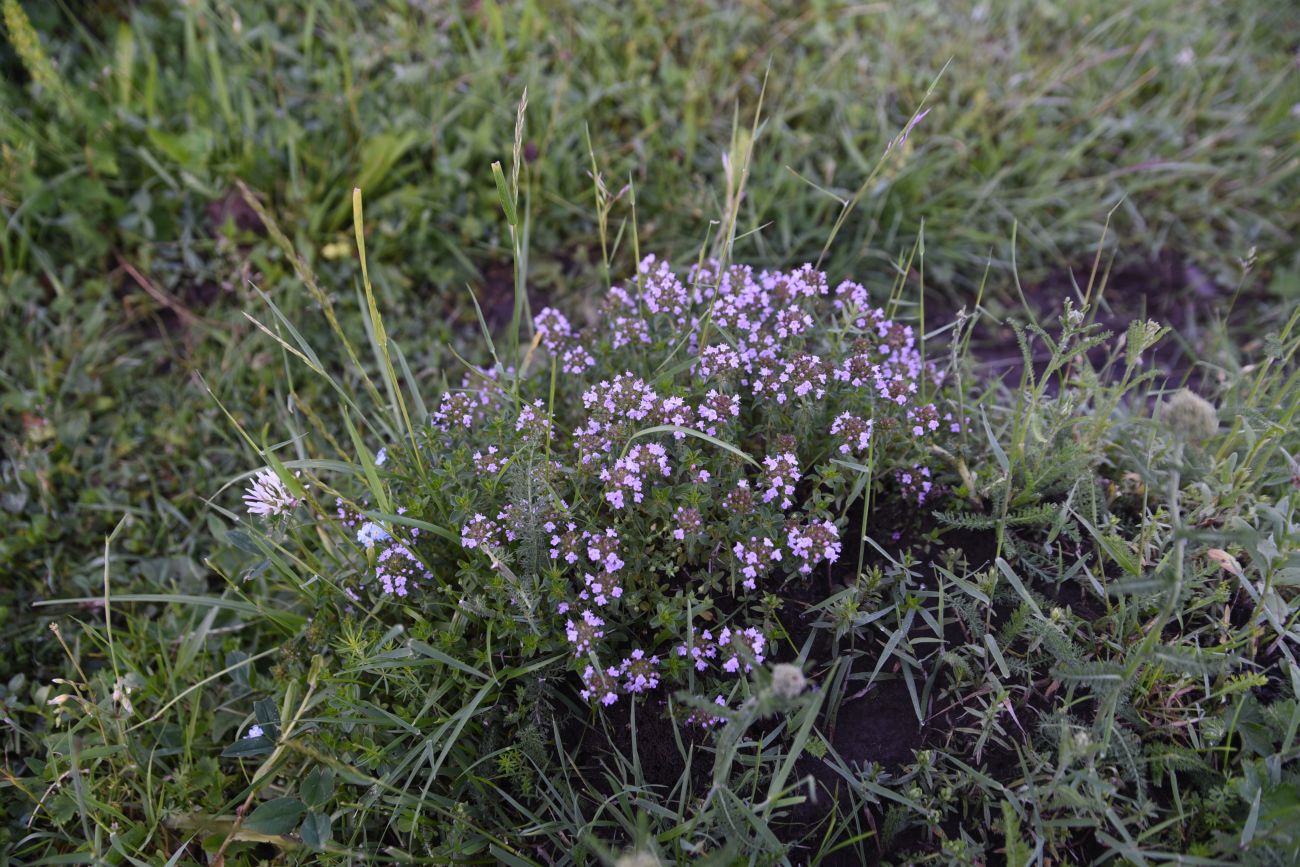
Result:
1170,290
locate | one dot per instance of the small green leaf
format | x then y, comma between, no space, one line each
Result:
242,541
266,712
277,816
503,193
315,830
317,787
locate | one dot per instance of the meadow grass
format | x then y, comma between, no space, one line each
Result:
134,268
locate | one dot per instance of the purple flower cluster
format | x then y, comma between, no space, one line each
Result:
923,420
706,649
915,483
614,406
781,379
755,557
532,423
813,543
558,337
489,462
688,521
475,404
640,673
718,409
719,362
628,475
600,589
600,685
705,720
780,473
663,294
602,548
396,565
582,631
855,433
740,500
480,531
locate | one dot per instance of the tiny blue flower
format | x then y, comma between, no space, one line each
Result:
370,533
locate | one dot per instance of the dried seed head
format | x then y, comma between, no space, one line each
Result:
787,681
1190,416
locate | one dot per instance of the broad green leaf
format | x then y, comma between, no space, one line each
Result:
318,786
277,816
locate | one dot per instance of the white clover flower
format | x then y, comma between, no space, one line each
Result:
268,496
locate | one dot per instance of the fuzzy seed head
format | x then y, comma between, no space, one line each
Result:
1190,416
638,859
787,681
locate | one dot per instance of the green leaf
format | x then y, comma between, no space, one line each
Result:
277,816
284,618
315,830
503,193
431,652
1005,568
317,787
242,541
266,712
676,428
998,453
1018,852
407,520
1115,547
367,465
248,747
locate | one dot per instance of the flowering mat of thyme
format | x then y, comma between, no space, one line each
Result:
739,567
